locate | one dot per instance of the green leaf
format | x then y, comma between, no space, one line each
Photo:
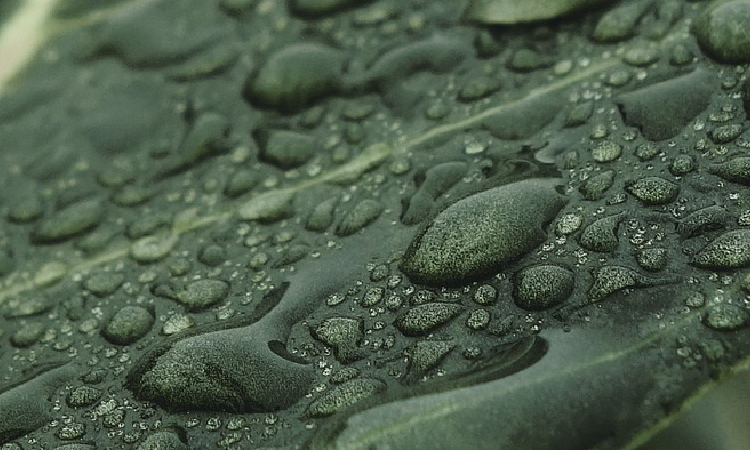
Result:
600,388
512,11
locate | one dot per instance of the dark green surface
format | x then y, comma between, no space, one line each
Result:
7,8
374,224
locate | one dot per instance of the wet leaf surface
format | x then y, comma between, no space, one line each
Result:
370,224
